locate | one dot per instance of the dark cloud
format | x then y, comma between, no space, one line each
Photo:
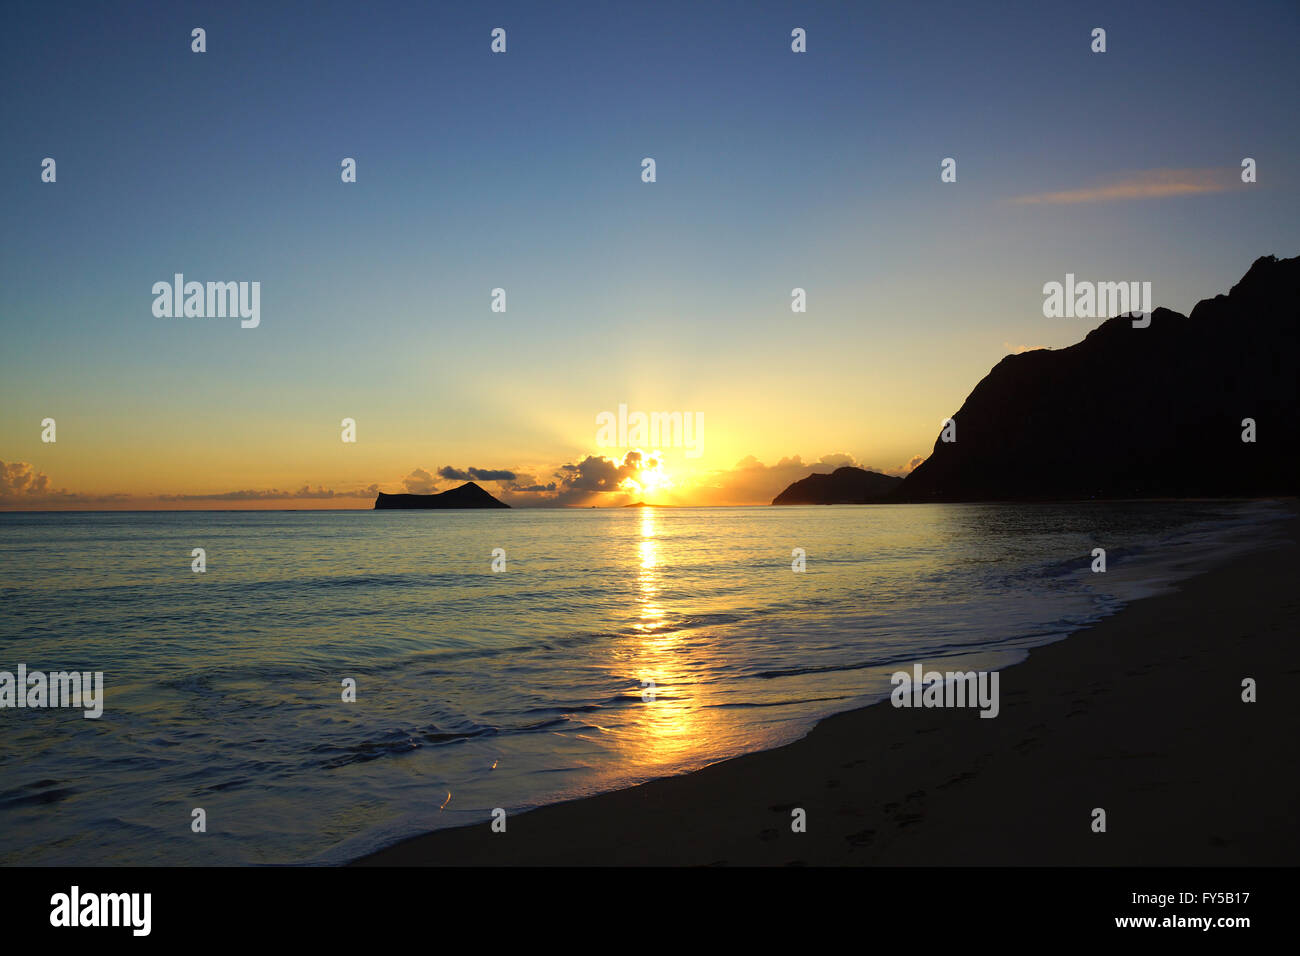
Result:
596,475
529,484
475,474
577,483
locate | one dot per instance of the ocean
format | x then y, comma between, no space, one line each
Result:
616,646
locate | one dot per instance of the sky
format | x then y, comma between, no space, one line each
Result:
522,170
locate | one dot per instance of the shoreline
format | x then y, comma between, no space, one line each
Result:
1139,714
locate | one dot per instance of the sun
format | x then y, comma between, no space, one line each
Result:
650,477
653,480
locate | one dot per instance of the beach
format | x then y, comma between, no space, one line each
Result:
1140,715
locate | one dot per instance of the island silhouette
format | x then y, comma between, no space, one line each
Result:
468,495
843,486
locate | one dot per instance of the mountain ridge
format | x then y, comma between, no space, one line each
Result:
1138,412
1152,412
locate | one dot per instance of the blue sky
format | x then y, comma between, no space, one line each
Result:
475,171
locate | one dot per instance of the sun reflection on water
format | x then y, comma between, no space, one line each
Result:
652,613
668,724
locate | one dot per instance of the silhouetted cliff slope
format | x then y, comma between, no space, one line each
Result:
468,495
843,486
1153,412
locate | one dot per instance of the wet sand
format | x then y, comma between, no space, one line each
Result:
1140,715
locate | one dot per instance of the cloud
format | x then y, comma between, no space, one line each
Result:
533,486
475,474
19,479
596,474
21,484
597,480
752,482
837,460
530,484
594,480
306,492
1151,184
419,482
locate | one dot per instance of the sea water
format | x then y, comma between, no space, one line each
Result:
617,645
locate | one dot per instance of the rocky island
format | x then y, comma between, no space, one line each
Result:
468,495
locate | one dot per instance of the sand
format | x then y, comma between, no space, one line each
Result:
1141,715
